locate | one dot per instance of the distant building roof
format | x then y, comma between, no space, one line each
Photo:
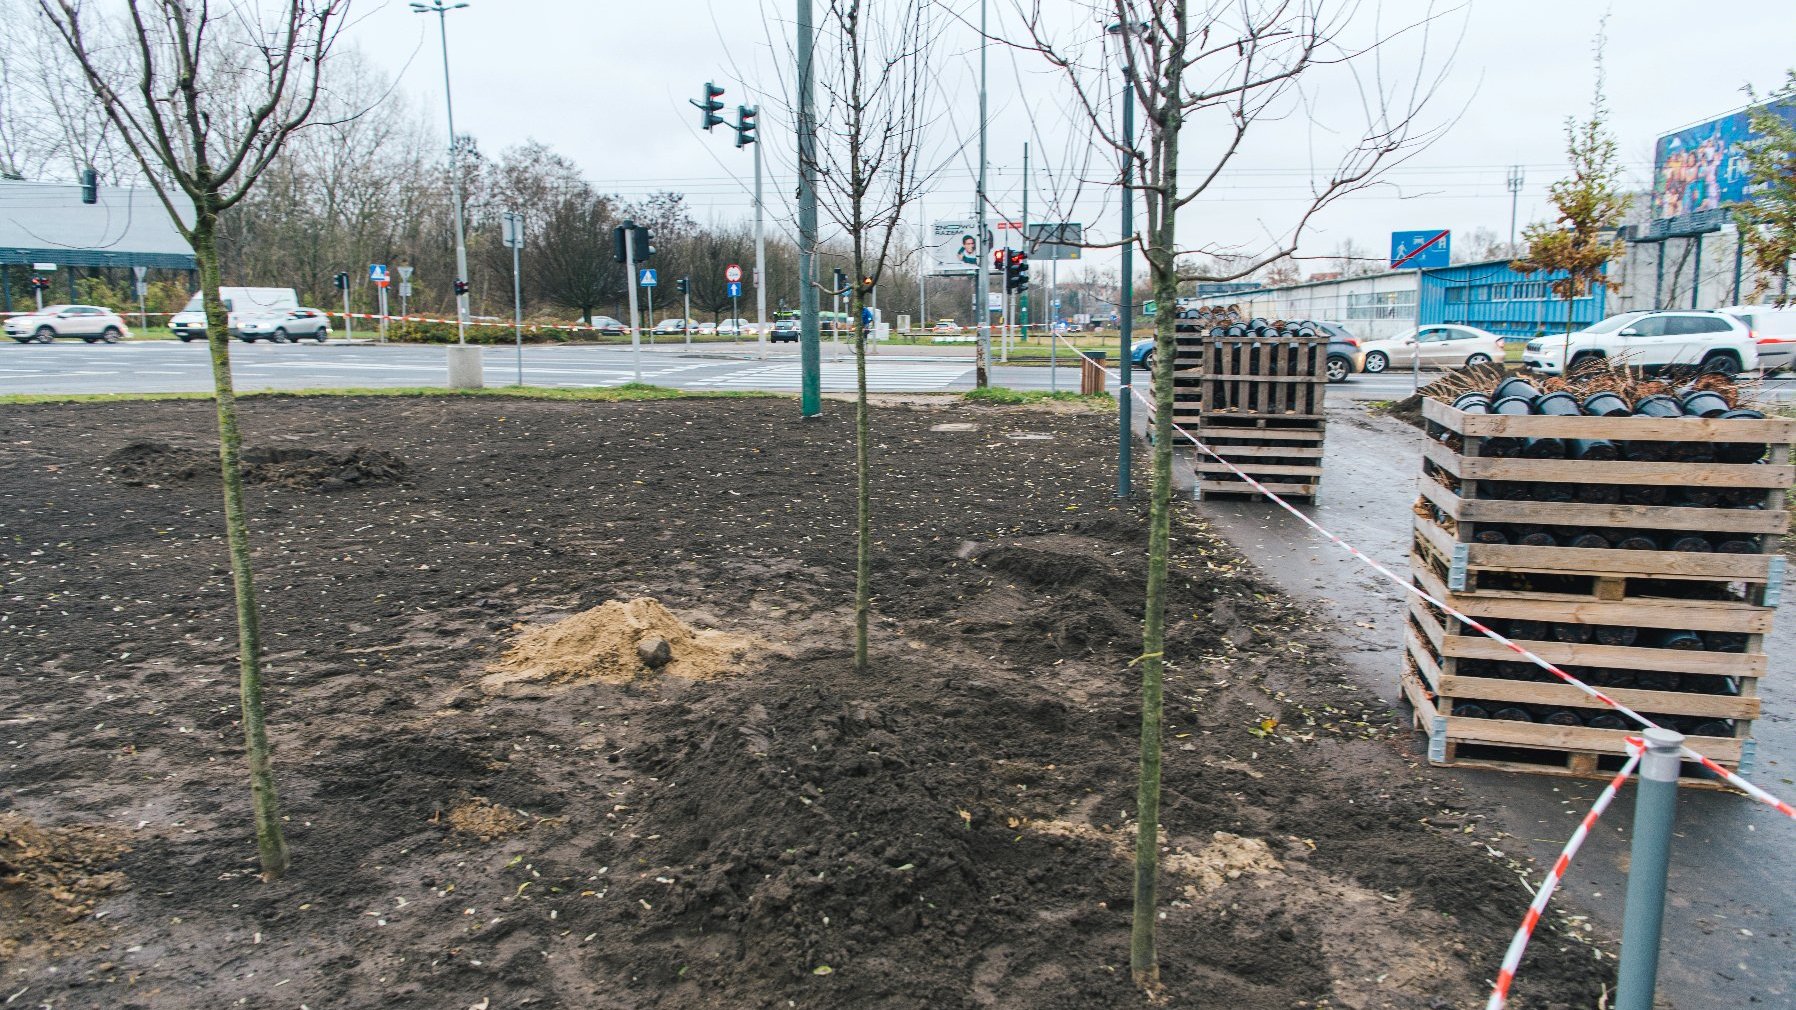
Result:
46,222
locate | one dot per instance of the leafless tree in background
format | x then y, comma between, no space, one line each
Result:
204,97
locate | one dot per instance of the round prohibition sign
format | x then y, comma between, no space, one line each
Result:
733,274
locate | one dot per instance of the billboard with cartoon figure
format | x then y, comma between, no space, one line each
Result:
1703,168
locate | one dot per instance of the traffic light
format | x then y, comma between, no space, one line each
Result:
1016,275
709,108
683,285
745,125
641,247
40,283
90,186
341,281
841,287
461,286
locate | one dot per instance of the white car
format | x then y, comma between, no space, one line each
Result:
1443,345
735,327
1775,331
286,327
674,326
706,329
1705,339
89,322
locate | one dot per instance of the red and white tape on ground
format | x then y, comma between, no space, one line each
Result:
1512,959
1732,779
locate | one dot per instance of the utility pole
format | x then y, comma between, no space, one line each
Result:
1022,298
981,270
922,268
513,236
1126,323
760,251
810,398
1515,197
441,10
629,234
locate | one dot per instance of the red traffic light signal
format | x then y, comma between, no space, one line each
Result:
461,287
710,107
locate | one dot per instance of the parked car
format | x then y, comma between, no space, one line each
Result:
89,322
1704,339
945,326
608,326
674,326
240,304
1775,331
286,327
734,327
784,330
1444,345
706,329
1343,351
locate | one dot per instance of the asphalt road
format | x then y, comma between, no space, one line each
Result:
1730,931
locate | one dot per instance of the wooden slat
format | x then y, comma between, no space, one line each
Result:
1609,561
1288,451
1646,612
1578,471
1210,429
1531,692
1243,488
1277,469
1655,517
1580,738
1619,429
1614,657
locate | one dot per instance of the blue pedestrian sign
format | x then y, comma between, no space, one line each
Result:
733,289
1421,250
377,272
647,277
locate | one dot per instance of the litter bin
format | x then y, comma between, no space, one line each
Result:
1091,373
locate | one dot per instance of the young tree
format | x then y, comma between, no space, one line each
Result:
1767,222
1581,240
1222,66
874,61
574,265
204,97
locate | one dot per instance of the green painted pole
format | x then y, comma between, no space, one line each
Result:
810,351
1643,918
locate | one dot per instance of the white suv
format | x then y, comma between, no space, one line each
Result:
1708,340
89,322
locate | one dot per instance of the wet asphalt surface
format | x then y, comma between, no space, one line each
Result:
1731,909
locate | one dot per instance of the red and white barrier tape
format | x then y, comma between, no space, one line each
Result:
1732,779
1512,959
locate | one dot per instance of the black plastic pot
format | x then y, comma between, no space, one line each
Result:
1606,405
1558,405
1704,403
1472,403
1595,449
1515,385
1658,405
1513,406
1741,452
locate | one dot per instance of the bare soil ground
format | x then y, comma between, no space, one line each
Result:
764,829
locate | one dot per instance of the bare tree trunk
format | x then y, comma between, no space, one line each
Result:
863,584
269,841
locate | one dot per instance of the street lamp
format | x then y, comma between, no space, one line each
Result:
441,10
1126,317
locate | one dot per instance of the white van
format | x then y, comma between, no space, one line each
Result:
1774,329
240,303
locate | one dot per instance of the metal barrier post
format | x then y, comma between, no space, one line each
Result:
1655,807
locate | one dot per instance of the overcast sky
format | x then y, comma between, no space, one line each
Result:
607,82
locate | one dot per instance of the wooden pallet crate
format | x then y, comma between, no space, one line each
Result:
1259,404
1731,595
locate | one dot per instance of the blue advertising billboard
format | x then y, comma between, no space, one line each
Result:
1702,168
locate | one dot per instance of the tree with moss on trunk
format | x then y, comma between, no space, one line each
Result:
872,62
1767,222
1220,68
1581,240
204,97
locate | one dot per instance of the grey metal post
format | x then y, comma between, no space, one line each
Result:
629,228
143,315
1739,258
1696,273
461,243
517,287
1655,808
348,323
1124,392
1659,279
686,320
1515,200
810,354
981,270
1054,319
760,246
1022,311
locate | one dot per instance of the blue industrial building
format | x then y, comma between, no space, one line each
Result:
1493,296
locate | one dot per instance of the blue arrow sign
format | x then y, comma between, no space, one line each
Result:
733,289
1421,250
647,277
377,271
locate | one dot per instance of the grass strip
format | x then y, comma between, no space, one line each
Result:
609,394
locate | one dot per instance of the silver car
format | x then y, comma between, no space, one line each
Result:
89,322
286,326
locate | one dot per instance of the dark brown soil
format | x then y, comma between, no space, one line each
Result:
946,832
156,463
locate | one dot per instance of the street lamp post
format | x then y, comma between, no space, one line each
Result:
1126,317
441,10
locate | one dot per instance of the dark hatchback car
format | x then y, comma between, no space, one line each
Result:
783,330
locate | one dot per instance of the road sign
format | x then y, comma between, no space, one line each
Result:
511,230
733,289
733,274
646,277
405,289
43,266
1421,250
405,273
377,272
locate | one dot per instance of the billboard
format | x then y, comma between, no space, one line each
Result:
1702,168
1055,241
954,247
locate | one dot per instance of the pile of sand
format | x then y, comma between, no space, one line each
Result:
485,819
608,643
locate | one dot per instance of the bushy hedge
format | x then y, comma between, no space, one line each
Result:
412,331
